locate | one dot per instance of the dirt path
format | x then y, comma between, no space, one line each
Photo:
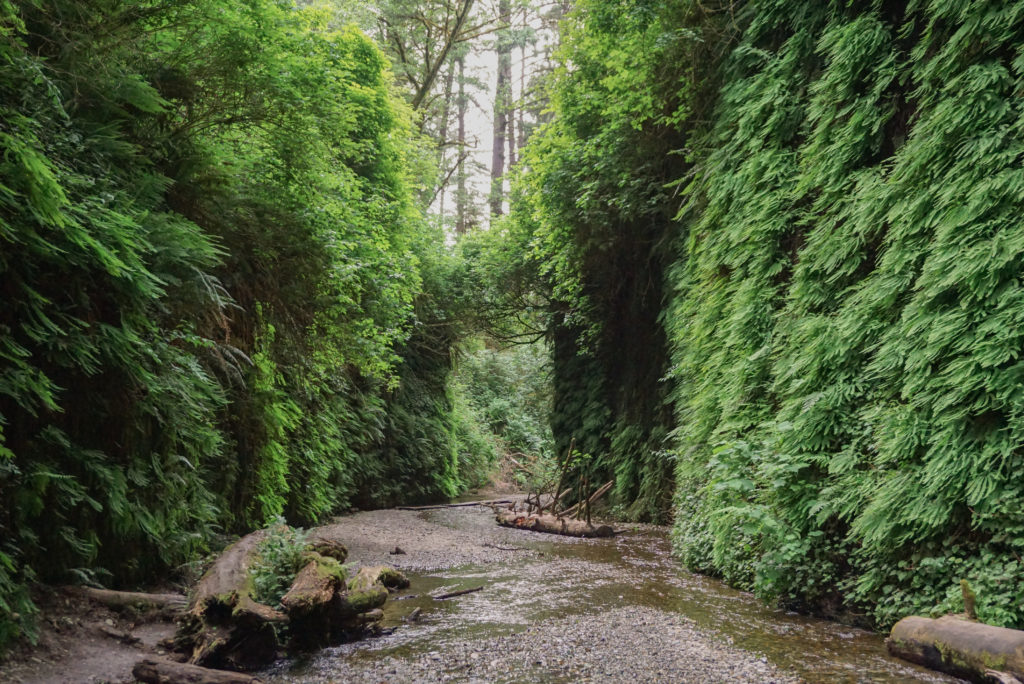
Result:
78,644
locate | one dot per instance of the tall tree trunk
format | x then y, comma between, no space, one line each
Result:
522,88
502,99
461,199
443,137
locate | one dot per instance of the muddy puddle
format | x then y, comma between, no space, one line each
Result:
550,578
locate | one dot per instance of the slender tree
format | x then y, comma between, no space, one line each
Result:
502,106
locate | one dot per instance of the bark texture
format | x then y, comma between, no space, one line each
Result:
120,600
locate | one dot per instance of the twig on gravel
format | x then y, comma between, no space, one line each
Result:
504,548
453,594
123,637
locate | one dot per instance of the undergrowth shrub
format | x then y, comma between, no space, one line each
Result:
279,558
508,392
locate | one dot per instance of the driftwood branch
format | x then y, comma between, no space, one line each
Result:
453,594
171,603
553,524
604,489
464,504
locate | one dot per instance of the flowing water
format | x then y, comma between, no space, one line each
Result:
556,577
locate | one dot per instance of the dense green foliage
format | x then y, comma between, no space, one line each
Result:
210,263
594,194
507,393
850,310
833,261
774,248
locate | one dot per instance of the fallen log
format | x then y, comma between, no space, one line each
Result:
133,600
962,648
314,587
553,525
225,627
311,603
156,671
463,504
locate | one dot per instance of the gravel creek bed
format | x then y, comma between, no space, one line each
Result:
559,609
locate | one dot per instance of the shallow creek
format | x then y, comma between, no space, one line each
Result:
549,578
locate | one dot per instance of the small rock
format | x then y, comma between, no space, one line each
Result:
397,551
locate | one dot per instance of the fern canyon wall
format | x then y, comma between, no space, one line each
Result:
759,263
212,259
784,248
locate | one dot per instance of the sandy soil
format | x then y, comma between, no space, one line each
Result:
78,643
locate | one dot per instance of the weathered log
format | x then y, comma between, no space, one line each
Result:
156,671
224,625
553,525
312,603
228,578
329,548
314,586
959,647
133,600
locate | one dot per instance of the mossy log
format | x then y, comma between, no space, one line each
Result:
960,647
155,671
329,548
314,587
315,615
553,525
226,627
